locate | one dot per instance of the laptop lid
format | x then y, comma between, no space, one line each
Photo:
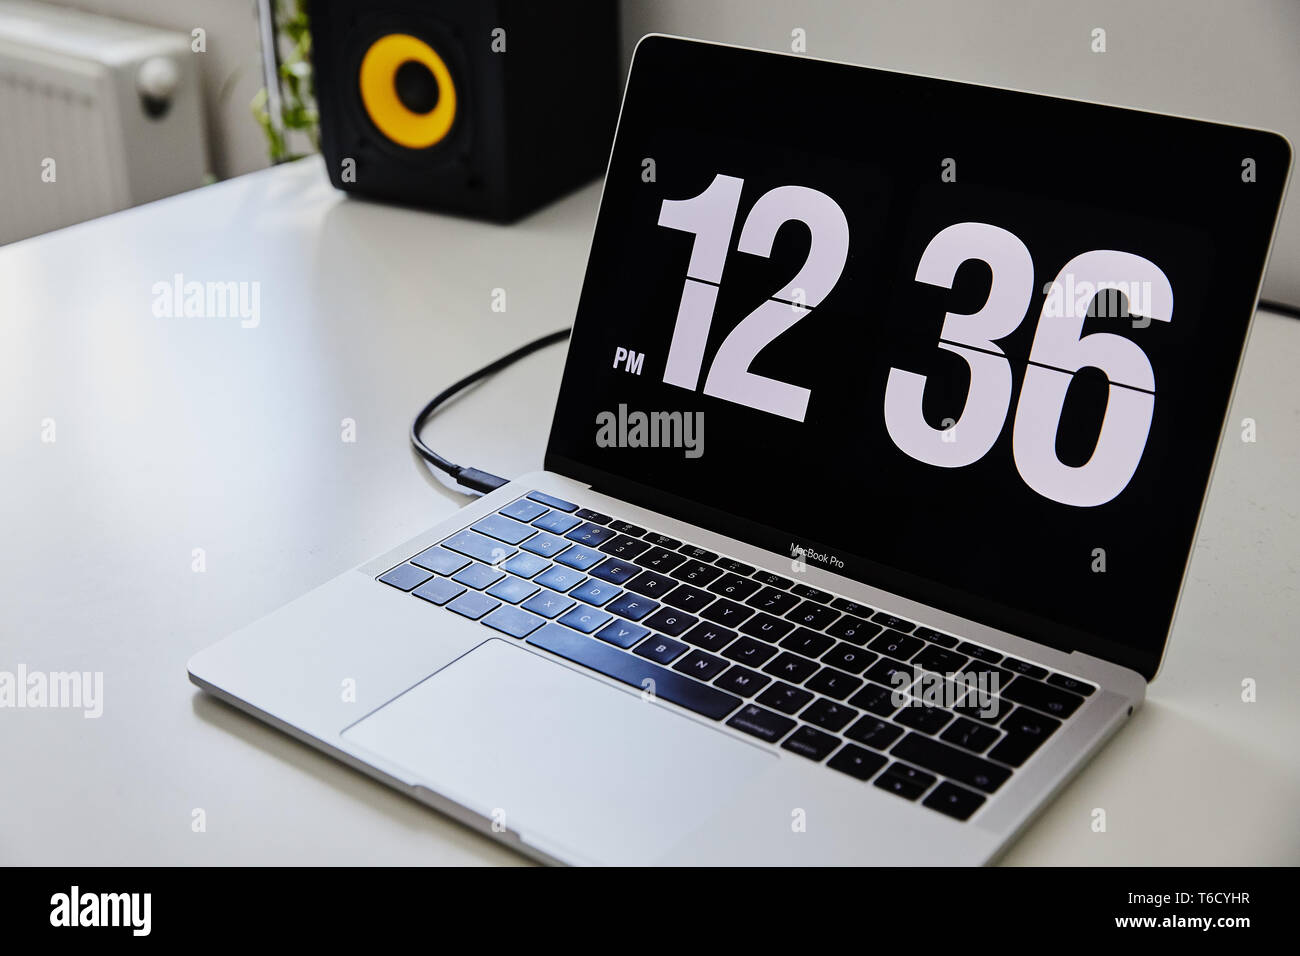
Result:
970,345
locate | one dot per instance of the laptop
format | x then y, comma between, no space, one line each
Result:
889,412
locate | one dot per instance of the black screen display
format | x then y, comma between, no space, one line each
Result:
972,346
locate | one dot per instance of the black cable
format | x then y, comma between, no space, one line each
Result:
1284,307
473,478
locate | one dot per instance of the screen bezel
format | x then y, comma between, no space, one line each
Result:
654,51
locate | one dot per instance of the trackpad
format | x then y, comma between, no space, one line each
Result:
566,761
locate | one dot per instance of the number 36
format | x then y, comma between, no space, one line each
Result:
1059,351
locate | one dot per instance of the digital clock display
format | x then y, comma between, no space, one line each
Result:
975,345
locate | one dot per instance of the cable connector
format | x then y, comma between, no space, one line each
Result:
473,479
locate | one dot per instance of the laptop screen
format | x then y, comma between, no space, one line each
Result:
969,345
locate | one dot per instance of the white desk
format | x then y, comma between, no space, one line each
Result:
181,433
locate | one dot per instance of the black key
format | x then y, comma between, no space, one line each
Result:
699,554
936,637
989,712
771,580
626,527
1026,730
446,562
734,587
921,717
784,697
969,734
552,501
833,683
614,570
661,540
810,593
1056,680
848,658
1044,697
854,629
907,782
940,660
774,601
746,650
896,645
592,535
661,650
950,762
827,714
876,699
791,667
631,606
478,547
608,660
688,598
742,681
808,643
811,743
697,573
440,590
586,514
622,546
856,762
1024,667
873,732
957,802
979,653
889,620
660,560
767,627
851,607
622,633
651,584
726,612
405,576
885,671
812,614
992,678
711,637
671,621
701,666
761,723
734,566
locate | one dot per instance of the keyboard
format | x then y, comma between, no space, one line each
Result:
922,714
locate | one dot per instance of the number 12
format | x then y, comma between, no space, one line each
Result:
711,217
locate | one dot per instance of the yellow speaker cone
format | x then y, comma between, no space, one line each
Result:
379,93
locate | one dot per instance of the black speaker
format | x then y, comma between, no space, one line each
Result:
484,107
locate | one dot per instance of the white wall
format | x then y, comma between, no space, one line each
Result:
231,68
1237,61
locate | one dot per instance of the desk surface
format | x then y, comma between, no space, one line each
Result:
173,434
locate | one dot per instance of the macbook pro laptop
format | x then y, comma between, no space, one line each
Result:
888,416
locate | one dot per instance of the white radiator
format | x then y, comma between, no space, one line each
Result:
95,115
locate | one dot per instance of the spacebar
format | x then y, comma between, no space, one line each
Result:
629,669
